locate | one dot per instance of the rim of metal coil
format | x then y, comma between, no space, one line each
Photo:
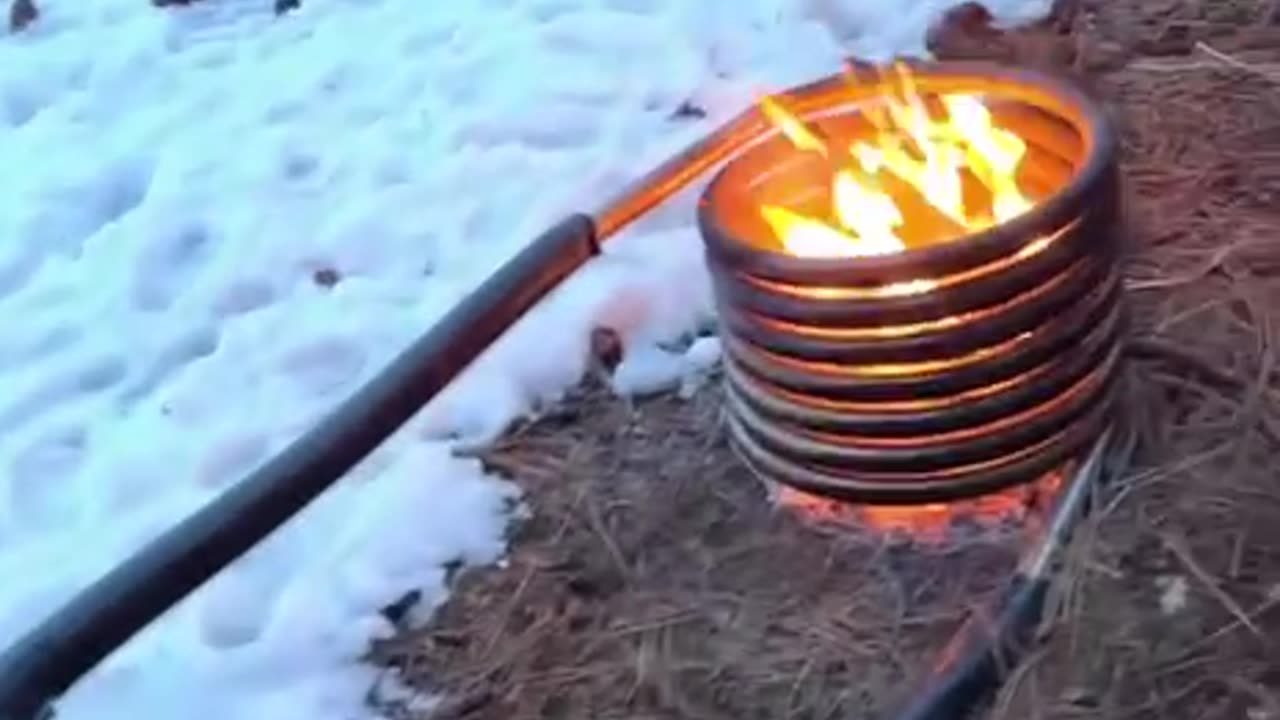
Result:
1059,102
844,380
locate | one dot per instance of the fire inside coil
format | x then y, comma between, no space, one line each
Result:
919,291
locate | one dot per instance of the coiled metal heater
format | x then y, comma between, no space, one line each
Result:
948,370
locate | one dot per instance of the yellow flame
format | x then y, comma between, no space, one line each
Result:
869,213
929,155
993,154
796,131
807,237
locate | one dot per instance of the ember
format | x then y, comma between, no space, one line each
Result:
919,292
932,522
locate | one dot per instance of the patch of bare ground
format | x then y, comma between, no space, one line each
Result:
656,579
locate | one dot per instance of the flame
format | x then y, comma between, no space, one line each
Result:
908,152
926,154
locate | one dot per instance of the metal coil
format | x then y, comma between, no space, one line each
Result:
843,381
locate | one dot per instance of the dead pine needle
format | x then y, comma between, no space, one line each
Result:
1178,547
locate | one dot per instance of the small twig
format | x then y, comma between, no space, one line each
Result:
1160,704
1153,348
1026,670
597,524
1257,612
801,676
462,705
1187,658
1103,569
500,627
1236,62
479,674
1161,66
1186,314
676,618
1160,474
1269,71
1237,551
1212,263
1178,547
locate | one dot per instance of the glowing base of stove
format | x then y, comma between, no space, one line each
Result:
1016,508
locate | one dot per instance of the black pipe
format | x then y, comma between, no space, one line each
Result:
103,616
44,663
989,645
980,657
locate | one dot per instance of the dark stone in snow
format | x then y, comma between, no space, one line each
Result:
21,14
688,111
326,277
398,611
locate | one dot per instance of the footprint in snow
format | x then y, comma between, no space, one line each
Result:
169,263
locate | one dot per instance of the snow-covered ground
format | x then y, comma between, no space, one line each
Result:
179,188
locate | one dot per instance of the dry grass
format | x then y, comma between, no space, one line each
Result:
1176,588
654,578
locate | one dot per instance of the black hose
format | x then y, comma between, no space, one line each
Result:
103,616
976,662
44,663
989,645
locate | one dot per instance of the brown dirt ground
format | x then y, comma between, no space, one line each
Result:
1197,97
655,579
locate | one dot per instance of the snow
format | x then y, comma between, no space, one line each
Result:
181,190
